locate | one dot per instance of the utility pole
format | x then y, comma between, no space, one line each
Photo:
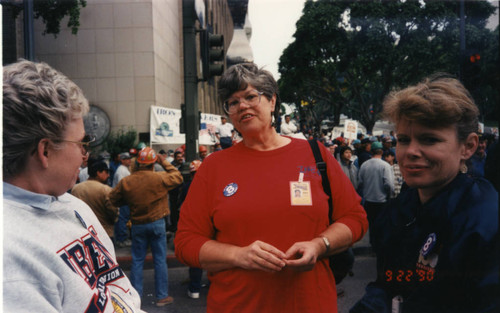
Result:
29,37
212,56
498,90
462,40
192,120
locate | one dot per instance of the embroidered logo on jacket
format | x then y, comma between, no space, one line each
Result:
429,255
89,258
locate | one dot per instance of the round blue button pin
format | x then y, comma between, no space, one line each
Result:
230,189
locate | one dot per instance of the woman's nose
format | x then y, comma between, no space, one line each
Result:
243,104
413,149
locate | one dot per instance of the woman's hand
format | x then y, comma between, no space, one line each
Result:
260,256
303,255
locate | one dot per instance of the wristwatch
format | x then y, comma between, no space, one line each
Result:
327,243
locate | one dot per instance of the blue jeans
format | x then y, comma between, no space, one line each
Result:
121,231
154,235
195,275
226,142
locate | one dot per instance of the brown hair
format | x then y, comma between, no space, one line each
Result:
438,101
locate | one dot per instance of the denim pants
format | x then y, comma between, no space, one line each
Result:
373,210
121,231
195,275
154,235
226,142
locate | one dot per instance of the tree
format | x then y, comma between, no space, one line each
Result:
52,12
305,68
120,141
347,55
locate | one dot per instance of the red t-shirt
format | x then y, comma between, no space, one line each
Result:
240,195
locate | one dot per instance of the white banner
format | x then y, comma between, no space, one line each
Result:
208,126
350,129
336,132
165,123
164,126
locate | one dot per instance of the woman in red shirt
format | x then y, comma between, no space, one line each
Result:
264,248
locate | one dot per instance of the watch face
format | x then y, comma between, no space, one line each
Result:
97,123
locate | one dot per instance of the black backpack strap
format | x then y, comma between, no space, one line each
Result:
341,263
321,166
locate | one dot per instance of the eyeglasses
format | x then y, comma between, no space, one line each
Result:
252,98
85,144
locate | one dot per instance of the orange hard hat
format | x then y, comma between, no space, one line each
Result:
147,156
193,167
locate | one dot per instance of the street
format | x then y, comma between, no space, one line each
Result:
364,272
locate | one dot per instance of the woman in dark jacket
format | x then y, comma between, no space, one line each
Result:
436,243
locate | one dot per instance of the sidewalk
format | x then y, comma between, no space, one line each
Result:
124,255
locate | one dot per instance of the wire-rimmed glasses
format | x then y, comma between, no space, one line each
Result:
251,98
84,144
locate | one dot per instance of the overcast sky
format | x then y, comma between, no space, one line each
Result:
273,25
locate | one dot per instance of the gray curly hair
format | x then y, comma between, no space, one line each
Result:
239,76
38,102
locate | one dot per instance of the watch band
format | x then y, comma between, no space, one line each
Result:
327,243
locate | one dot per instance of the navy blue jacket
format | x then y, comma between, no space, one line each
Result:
441,256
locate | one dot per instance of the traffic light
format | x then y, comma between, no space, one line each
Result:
473,58
471,68
212,52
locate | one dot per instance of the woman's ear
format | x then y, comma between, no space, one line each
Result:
470,146
43,152
273,103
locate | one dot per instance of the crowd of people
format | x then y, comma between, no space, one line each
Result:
253,211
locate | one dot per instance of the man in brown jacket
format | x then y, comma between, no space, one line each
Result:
146,193
95,193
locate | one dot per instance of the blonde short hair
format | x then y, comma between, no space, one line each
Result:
435,102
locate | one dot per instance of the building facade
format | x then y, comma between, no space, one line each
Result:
128,56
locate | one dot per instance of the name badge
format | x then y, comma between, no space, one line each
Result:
300,193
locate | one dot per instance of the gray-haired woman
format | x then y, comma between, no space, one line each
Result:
263,247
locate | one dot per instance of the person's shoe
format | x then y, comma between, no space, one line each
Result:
127,243
120,244
193,295
165,301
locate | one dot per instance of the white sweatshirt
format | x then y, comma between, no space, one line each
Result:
58,258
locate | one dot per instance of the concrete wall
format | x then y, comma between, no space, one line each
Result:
126,57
